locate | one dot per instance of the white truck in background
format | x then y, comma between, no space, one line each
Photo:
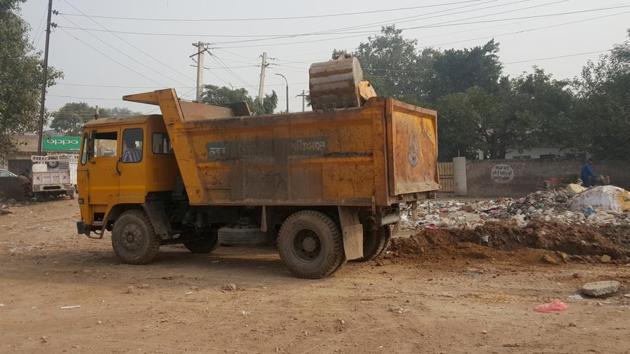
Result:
54,175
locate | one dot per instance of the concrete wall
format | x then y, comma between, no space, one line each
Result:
515,178
535,153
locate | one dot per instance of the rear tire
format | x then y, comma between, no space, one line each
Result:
133,238
205,243
311,245
375,242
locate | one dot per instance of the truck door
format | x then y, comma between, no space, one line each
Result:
83,180
132,181
102,167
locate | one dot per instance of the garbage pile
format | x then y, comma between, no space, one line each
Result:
4,209
603,205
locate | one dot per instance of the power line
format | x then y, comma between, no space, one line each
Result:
110,58
329,32
388,70
558,57
39,31
424,16
89,98
153,57
447,24
517,18
218,60
531,29
113,86
243,19
128,56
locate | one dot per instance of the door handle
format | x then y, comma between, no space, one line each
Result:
117,169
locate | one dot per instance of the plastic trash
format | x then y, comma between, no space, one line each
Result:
551,307
588,211
602,198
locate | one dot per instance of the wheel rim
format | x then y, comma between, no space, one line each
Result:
132,237
307,245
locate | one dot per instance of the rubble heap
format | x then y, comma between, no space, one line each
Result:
557,206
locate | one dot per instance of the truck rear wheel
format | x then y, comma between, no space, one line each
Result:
133,238
375,242
310,244
204,243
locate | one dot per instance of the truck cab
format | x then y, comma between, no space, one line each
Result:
122,161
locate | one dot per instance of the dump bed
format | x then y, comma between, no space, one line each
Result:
376,155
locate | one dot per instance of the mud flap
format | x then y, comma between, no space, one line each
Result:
157,215
352,232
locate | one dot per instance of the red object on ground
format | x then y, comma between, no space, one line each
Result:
550,307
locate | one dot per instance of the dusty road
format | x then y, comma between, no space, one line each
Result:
60,292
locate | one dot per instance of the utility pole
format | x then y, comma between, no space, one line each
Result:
42,108
202,48
303,95
287,89
261,84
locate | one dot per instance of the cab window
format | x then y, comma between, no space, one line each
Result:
161,144
105,144
132,145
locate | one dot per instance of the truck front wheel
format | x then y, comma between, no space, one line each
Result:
310,244
133,238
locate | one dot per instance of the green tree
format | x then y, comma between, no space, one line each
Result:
116,112
545,107
456,70
21,76
224,96
530,110
602,115
69,119
394,67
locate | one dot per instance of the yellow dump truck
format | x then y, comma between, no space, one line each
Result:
324,185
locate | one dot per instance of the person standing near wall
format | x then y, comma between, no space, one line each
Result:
587,175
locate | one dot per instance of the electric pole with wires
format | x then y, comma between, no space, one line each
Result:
261,84
42,108
303,95
202,48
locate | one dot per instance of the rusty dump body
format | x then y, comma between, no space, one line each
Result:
324,186
377,155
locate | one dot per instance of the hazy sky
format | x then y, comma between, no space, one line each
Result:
100,67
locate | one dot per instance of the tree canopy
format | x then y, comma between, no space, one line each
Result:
21,76
224,96
602,114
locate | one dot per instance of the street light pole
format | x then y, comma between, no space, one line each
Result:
287,89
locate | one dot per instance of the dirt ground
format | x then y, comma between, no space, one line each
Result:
60,292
